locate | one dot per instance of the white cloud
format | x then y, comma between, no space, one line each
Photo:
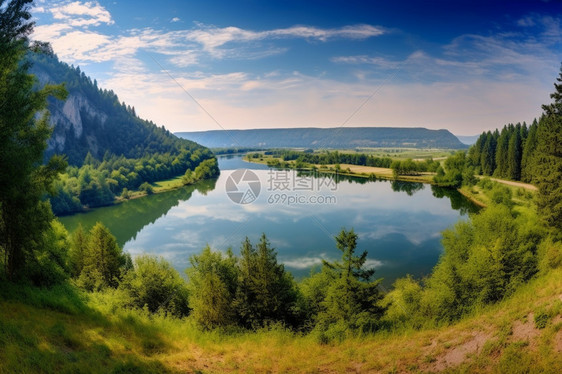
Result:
475,83
82,14
211,37
175,19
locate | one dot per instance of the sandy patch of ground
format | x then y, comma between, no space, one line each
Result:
454,356
525,331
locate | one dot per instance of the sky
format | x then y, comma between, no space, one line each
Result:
466,66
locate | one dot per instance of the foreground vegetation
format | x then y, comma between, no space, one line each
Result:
79,304
65,330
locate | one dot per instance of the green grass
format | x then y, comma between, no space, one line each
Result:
523,200
168,184
63,330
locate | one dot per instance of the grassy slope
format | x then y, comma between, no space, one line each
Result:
63,331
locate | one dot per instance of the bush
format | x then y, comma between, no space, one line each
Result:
550,255
146,187
153,283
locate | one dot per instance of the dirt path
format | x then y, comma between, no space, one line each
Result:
526,186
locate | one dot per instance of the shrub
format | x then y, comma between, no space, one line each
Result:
153,283
146,187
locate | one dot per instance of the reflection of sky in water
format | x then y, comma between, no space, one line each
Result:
401,232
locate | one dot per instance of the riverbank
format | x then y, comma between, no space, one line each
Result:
350,170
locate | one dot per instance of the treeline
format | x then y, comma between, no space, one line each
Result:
97,183
399,167
411,167
249,291
335,157
507,154
531,154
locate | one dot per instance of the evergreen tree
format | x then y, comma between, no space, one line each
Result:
352,300
475,153
24,217
102,260
266,292
77,251
514,156
527,170
502,159
548,169
488,156
555,108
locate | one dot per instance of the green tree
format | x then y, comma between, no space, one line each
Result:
24,217
213,279
77,251
102,260
487,157
555,108
207,169
153,283
502,156
266,292
548,169
529,148
514,155
352,299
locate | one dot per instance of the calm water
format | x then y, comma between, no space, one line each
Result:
400,224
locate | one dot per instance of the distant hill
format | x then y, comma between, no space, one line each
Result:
468,139
93,120
345,137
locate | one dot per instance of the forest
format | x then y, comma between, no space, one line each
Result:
109,158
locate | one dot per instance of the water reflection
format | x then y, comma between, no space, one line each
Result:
399,223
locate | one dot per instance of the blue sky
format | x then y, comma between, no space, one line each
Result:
467,66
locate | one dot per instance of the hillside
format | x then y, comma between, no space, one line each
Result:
344,137
64,330
94,120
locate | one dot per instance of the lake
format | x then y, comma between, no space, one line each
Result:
398,223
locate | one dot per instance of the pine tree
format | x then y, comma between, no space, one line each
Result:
547,164
527,170
514,156
266,292
547,160
77,251
501,153
352,300
24,217
475,153
488,156
102,260
555,108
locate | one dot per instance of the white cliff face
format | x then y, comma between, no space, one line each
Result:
69,116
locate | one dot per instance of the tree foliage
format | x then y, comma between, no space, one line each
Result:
213,280
352,300
102,260
25,219
154,284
